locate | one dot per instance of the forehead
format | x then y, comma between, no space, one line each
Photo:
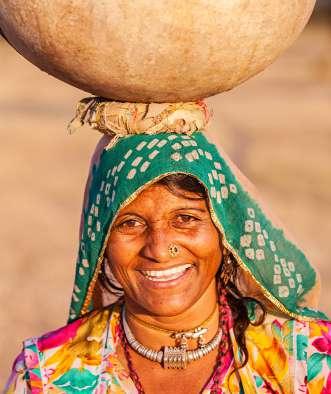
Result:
158,198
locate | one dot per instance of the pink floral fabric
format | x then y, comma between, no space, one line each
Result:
285,356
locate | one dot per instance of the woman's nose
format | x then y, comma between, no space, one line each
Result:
157,243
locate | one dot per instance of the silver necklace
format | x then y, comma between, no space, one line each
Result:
174,357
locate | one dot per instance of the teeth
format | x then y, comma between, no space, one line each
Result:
164,275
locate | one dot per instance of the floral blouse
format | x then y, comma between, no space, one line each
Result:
285,356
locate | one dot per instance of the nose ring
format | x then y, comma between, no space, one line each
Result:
173,250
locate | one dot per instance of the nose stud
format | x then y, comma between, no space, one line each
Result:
173,250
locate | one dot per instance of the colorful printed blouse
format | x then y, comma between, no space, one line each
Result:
285,356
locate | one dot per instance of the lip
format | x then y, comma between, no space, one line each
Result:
176,271
168,283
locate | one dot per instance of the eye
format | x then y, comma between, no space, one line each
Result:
130,226
185,220
130,223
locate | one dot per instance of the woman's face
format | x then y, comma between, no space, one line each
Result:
138,251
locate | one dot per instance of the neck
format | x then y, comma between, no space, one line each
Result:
153,331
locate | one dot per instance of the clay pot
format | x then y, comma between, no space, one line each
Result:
144,50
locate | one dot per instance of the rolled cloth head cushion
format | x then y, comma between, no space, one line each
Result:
153,51
272,266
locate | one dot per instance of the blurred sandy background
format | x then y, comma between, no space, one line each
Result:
277,127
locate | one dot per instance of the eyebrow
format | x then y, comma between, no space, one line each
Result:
190,209
175,210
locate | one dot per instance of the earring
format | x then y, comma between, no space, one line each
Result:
108,279
228,268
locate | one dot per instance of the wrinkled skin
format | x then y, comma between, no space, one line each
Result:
140,239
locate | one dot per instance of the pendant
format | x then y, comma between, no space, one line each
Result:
182,337
176,357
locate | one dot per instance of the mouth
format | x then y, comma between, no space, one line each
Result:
167,275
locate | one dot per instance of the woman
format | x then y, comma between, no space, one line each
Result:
183,283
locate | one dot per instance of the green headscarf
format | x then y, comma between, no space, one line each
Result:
131,162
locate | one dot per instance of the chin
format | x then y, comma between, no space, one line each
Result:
168,306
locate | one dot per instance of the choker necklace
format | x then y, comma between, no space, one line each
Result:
153,327
174,357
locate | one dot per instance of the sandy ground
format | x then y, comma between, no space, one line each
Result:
277,127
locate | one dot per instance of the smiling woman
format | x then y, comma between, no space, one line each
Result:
138,251
183,283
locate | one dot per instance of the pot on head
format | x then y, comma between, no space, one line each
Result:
153,51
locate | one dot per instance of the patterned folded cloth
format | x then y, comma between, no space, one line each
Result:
127,160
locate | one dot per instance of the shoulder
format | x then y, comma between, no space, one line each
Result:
86,329
63,351
314,336
295,350
319,357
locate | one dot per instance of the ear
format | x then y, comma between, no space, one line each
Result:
103,296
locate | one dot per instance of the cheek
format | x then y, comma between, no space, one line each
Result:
207,245
119,261
121,253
